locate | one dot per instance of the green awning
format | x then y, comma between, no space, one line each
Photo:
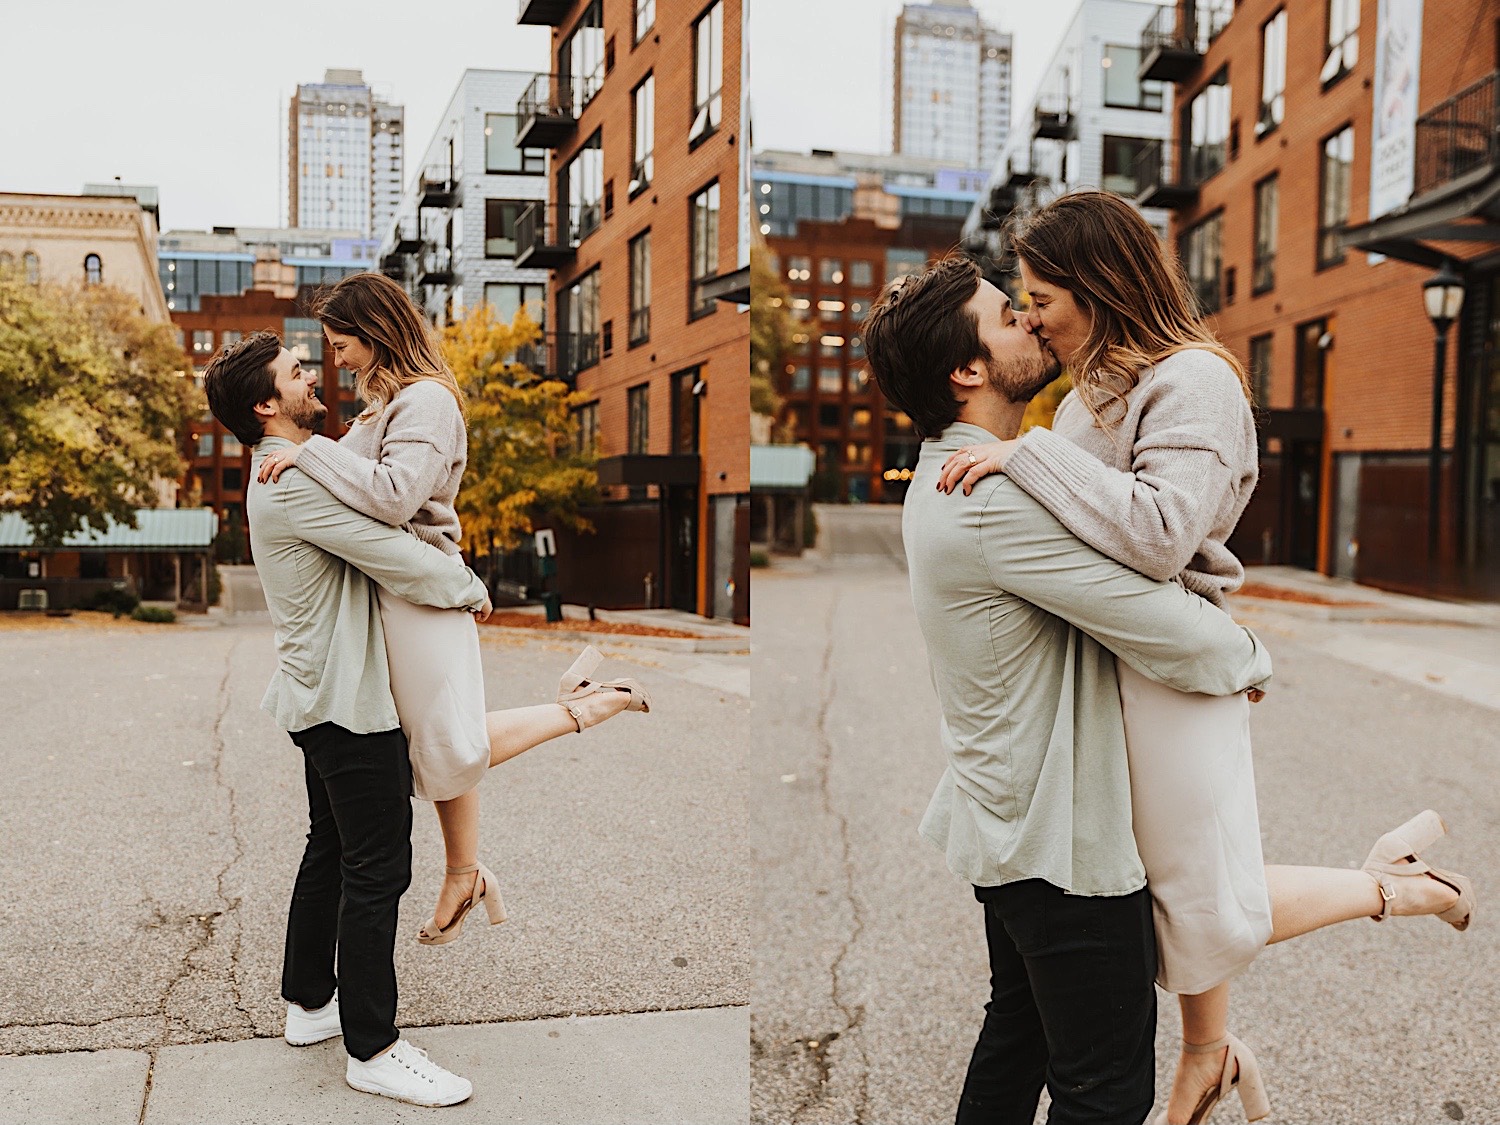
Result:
160,529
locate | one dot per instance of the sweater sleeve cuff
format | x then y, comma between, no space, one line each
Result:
1053,471
319,458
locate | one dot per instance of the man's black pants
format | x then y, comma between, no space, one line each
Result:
355,868
1072,1004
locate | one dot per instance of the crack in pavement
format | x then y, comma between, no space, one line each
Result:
231,905
853,1014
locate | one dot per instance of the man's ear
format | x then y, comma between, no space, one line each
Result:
969,377
268,409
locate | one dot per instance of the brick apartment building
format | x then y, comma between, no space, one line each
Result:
219,465
839,226
643,112
1279,202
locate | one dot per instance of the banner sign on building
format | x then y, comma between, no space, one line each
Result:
1398,69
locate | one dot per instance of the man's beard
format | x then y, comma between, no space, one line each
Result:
1022,379
307,414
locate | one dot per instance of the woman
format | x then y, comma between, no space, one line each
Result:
401,462
1152,459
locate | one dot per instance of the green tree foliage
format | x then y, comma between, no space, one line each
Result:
92,395
524,460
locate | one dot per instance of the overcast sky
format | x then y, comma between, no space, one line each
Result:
822,69
191,95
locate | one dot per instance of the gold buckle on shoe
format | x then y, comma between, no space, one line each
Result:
1387,896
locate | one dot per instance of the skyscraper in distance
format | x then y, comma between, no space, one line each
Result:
952,97
344,155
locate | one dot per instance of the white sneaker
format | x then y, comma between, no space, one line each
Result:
408,1075
304,1028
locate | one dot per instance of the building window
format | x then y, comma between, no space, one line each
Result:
830,417
584,180
708,72
229,336
640,288
1266,200
861,274
33,266
645,18
500,151
830,271
1333,195
581,58
685,411
799,268
506,298
582,319
93,270
638,404
203,342
830,379
1260,370
1343,40
231,446
587,436
1122,89
1307,392
643,126
205,445
1272,74
705,248
1201,253
801,378
1207,127
1120,154
234,479
500,226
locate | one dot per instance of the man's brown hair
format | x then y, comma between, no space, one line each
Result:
239,378
919,332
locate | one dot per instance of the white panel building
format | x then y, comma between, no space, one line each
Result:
952,97
344,155
452,240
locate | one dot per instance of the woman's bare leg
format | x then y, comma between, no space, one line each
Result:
1205,1019
459,820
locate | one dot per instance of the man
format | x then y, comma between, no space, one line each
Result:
1020,620
318,561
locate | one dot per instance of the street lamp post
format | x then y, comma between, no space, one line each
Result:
1443,294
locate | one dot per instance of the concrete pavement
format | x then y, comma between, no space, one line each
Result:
870,972
154,819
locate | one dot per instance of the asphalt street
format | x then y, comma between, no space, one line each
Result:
154,818
870,971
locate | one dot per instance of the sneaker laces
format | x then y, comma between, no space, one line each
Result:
416,1066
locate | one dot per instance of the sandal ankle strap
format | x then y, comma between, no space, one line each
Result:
1204,1048
463,870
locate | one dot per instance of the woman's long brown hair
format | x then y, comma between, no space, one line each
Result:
1102,250
377,311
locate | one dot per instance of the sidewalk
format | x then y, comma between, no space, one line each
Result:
657,1068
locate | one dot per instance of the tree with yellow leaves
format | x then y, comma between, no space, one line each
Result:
525,459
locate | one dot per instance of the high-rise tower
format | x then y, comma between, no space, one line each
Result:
953,84
344,155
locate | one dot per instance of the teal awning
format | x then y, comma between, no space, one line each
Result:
160,529
781,466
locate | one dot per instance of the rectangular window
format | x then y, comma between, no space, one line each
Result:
1307,392
1333,195
584,180
830,271
203,342
229,337
506,298
1207,127
500,226
640,288
708,72
1266,200
1120,154
1272,74
231,446
861,274
645,18
638,402
587,436
501,153
801,378
705,247
583,323
205,445
234,479
1122,89
1202,258
1343,40
1260,370
830,380
581,57
643,126
685,411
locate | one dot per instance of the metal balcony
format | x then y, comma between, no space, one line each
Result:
547,114
559,355
1174,42
1053,120
546,236
437,268
1160,179
408,240
1457,140
439,187
544,13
